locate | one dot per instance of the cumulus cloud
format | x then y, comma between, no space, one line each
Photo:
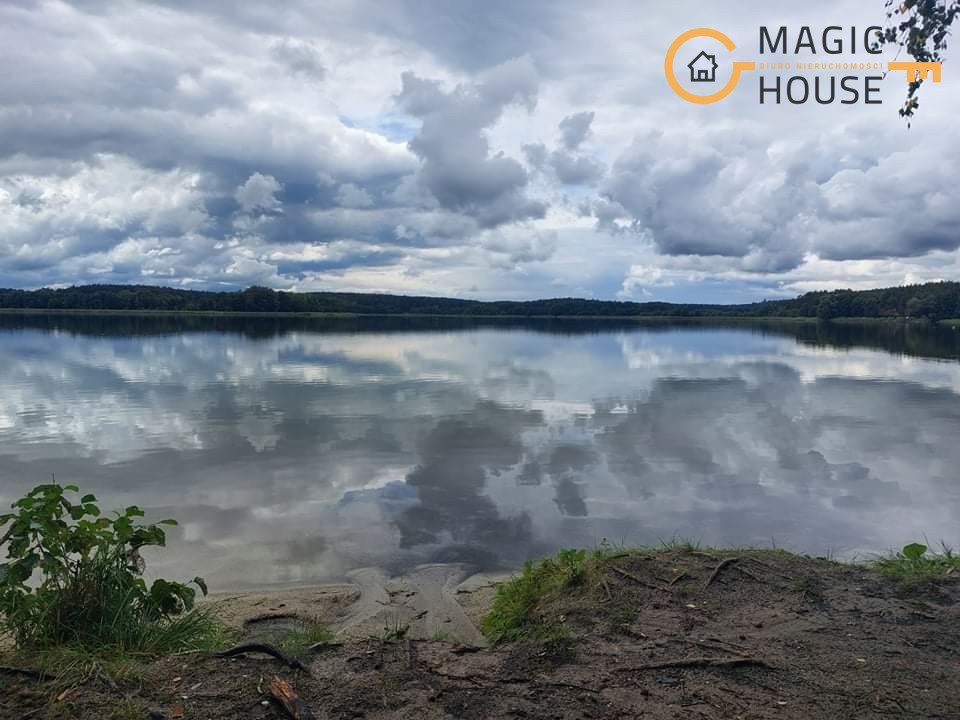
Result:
458,167
300,57
575,128
351,196
259,192
404,148
769,204
511,250
573,169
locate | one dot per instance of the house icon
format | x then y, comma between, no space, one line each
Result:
703,68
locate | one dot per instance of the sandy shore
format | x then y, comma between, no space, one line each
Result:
438,601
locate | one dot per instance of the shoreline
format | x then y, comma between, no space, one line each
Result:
607,633
949,322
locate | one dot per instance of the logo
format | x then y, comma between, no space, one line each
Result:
851,80
703,68
738,67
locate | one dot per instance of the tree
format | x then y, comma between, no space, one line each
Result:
921,27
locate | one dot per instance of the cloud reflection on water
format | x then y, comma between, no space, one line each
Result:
297,456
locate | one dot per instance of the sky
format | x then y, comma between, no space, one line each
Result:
496,150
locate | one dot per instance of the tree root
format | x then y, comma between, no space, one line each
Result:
264,649
640,581
716,571
699,662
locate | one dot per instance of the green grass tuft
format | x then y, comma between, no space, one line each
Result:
297,642
915,565
512,615
395,630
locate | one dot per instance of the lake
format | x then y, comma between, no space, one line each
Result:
295,450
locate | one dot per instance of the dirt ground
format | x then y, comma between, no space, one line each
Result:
677,635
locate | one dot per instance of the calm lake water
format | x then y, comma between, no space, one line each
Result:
295,450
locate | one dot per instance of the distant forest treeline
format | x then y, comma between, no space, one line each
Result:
935,301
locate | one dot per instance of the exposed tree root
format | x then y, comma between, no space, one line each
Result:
640,581
264,649
698,662
716,571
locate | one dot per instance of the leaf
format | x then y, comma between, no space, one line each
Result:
202,584
168,521
133,511
88,499
914,551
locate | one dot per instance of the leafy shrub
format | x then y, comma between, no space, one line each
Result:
74,577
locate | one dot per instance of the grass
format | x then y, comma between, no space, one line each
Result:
916,565
73,598
128,710
517,611
395,631
297,642
512,615
72,666
97,613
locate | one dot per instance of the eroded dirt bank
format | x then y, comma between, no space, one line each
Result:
674,635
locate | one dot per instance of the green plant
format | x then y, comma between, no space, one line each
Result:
915,564
74,577
512,614
395,631
298,641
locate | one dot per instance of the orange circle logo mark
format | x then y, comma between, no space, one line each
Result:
738,67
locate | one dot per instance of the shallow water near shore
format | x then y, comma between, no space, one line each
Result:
299,451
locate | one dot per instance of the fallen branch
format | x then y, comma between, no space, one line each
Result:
264,649
716,571
282,692
677,579
640,581
698,662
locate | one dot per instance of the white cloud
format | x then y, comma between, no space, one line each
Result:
526,150
259,193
